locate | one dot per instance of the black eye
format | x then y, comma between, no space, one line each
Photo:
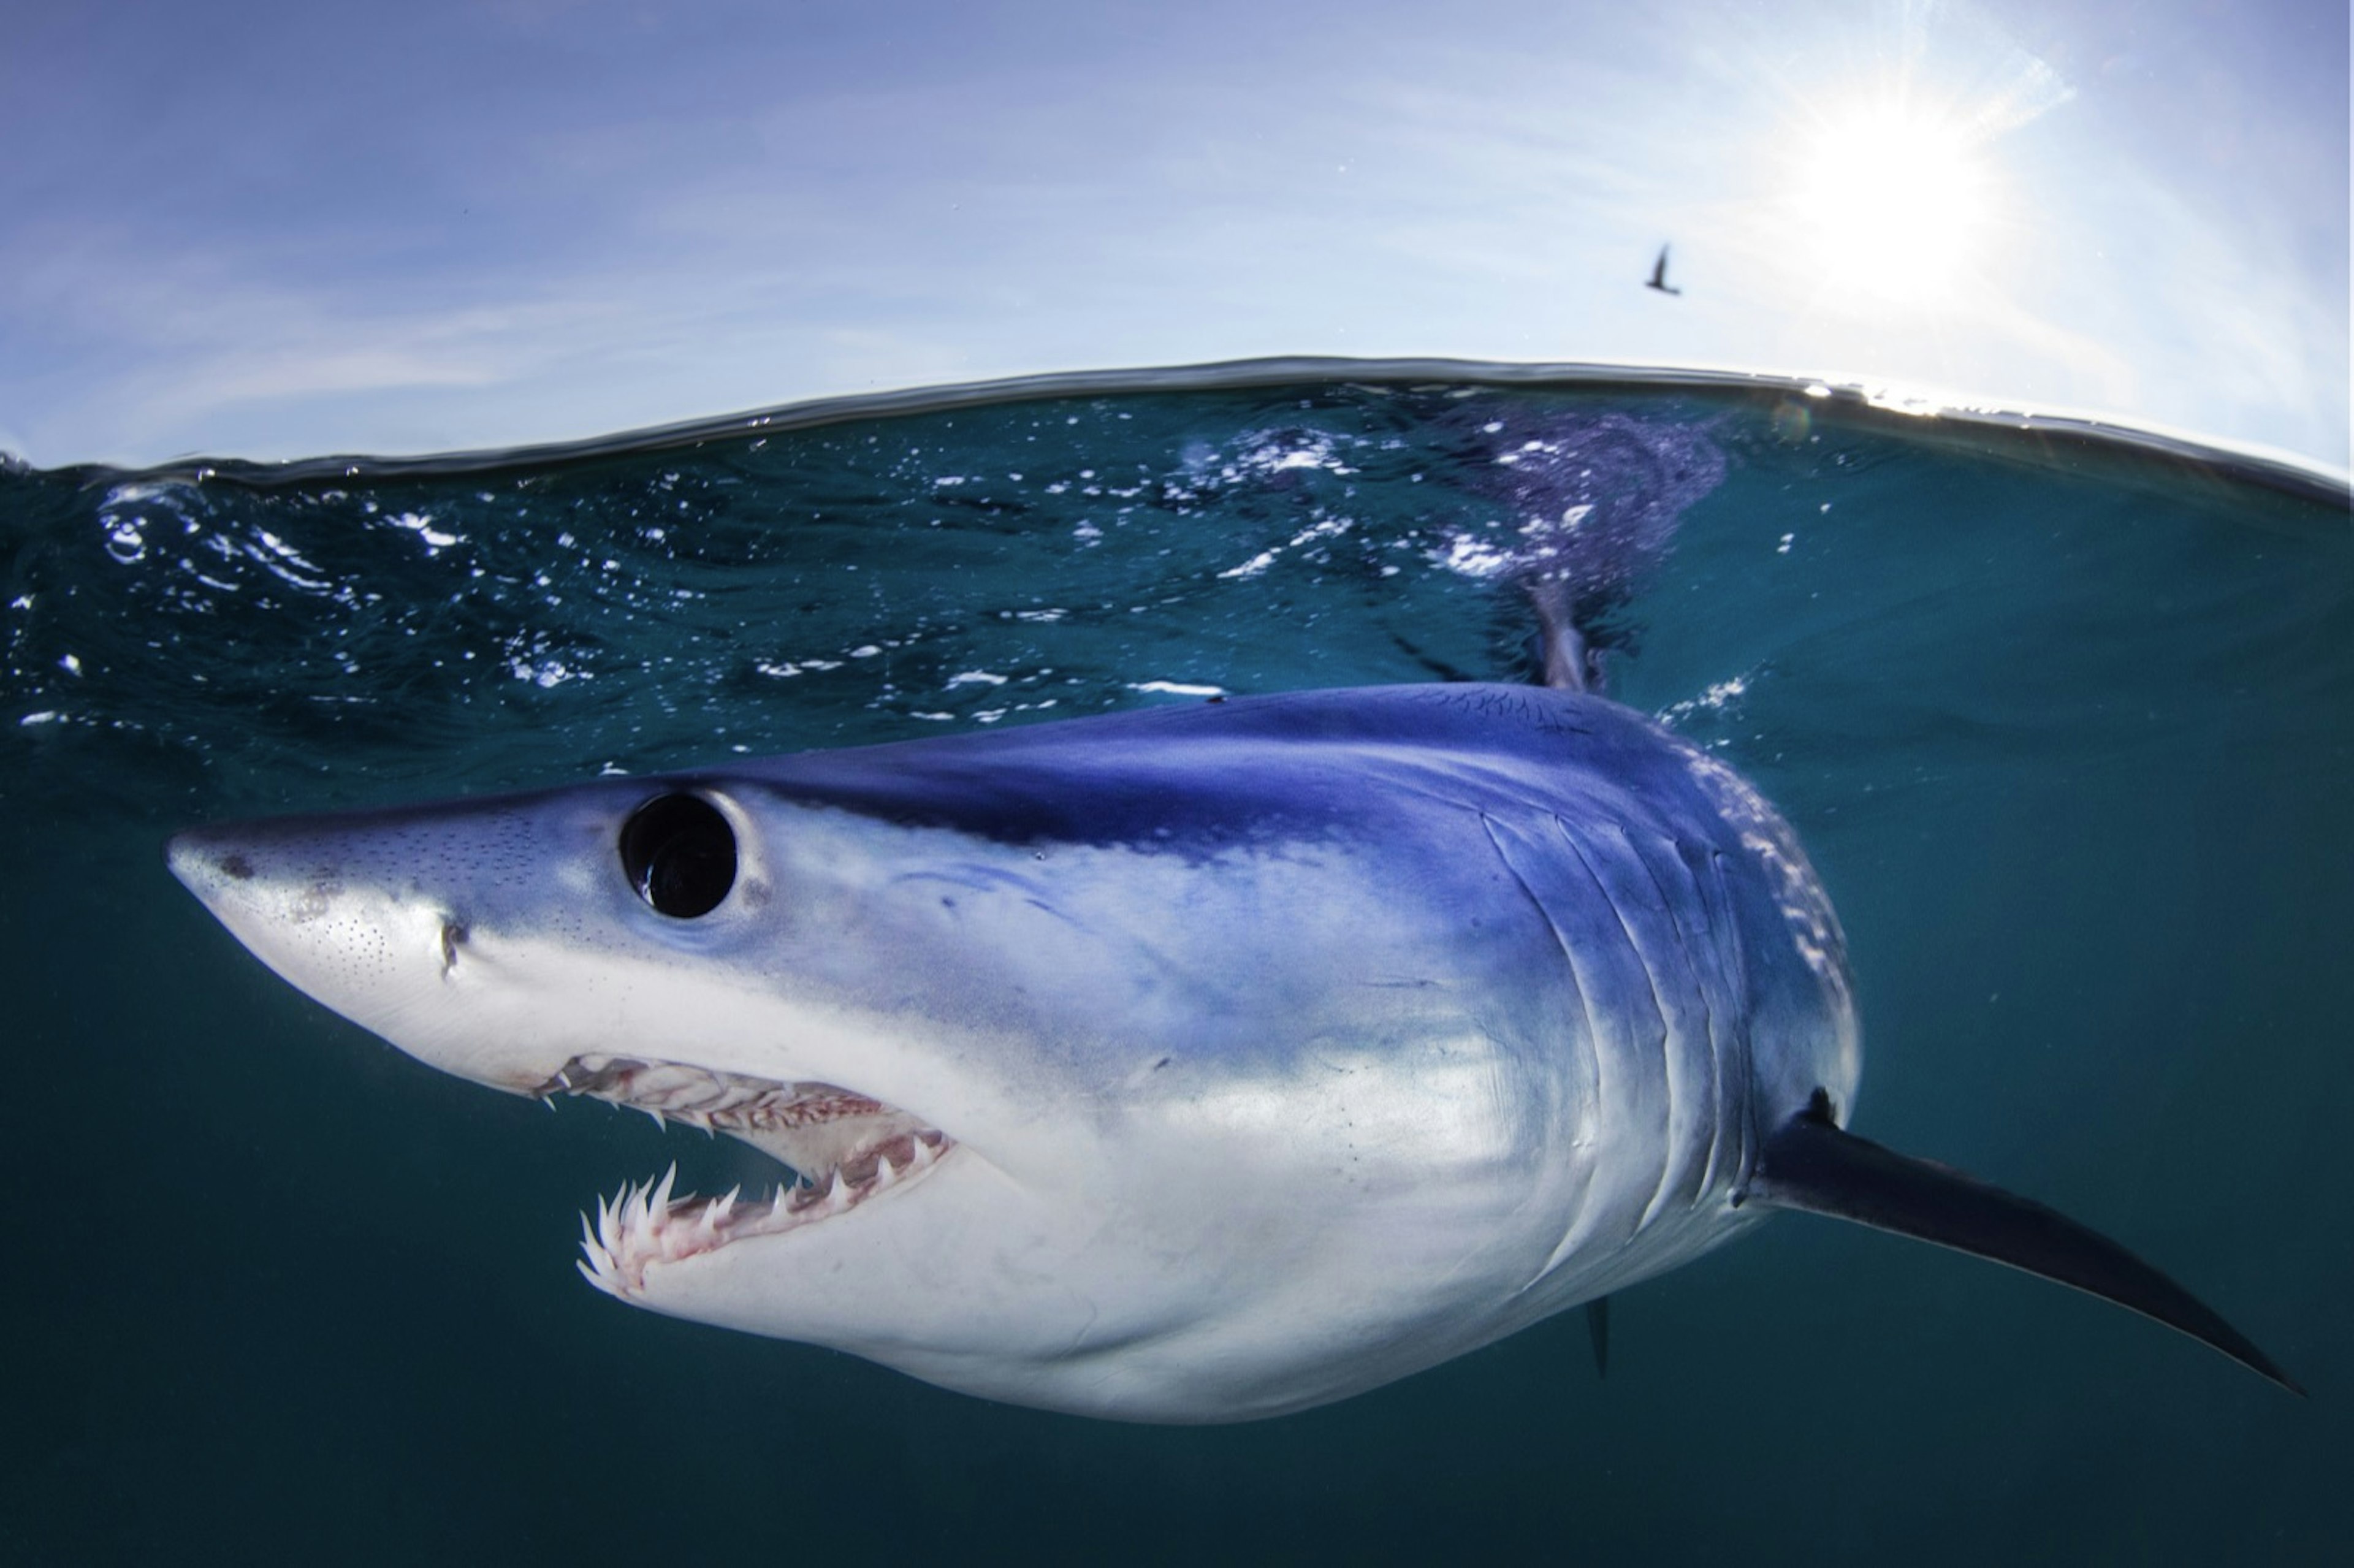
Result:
680,854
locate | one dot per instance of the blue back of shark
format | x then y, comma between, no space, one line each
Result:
1673,962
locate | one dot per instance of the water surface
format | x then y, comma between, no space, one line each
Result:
2065,717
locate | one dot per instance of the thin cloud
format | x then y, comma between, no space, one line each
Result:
1192,191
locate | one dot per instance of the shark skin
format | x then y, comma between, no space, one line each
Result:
1188,1065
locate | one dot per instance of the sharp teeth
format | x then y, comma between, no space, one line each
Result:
646,1223
597,1266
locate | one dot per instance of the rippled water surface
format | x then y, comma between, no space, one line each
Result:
2066,723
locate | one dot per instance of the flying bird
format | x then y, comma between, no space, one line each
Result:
1660,275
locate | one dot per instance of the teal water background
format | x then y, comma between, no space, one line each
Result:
2066,723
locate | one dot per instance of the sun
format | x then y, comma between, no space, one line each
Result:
1891,199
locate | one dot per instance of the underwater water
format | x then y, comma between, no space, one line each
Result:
2065,720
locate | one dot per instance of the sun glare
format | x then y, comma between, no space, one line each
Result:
1892,200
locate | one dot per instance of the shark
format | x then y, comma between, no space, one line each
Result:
1191,1064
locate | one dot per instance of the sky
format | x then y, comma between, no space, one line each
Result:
282,229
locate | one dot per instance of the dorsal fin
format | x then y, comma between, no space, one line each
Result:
1811,1164
1564,656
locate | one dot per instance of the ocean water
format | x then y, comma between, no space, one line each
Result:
2064,716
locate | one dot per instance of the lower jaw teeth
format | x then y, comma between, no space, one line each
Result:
644,1225
898,1154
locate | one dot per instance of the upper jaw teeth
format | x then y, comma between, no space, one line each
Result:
731,1102
816,1128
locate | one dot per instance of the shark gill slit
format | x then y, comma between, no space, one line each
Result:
1737,979
1603,1042
1661,1184
1577,1232
1708,980
1696,1007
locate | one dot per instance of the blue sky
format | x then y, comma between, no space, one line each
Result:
278,230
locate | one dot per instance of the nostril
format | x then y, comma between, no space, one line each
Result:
453,937
236,868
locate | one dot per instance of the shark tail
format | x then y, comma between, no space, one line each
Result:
1811,1165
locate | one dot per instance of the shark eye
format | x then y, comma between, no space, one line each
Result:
680,854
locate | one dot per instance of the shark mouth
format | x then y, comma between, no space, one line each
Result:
844,1148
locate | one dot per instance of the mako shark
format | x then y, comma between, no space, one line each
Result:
1186,1064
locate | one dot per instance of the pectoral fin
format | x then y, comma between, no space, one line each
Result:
1811,1164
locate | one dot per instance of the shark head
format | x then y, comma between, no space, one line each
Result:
980,1172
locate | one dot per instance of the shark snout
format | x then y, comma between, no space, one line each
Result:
241,878
324,925
211,863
